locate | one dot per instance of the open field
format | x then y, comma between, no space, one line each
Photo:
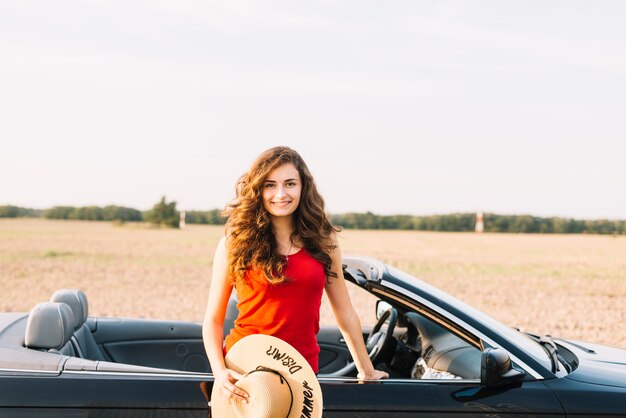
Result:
570,286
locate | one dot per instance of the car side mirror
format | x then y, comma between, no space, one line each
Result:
496,368
381,308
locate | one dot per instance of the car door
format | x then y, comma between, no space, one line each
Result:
105,394
175,345
402,398
334,354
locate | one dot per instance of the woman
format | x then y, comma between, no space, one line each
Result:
280,252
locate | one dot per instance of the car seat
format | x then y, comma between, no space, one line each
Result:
49,328
84,342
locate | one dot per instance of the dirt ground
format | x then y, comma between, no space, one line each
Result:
571,286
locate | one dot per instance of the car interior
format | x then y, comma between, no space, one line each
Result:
403,342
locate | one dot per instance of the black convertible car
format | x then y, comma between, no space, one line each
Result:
445,359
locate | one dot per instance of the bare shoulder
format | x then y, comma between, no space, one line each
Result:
335,249
334,238
221,250
222,242
227,239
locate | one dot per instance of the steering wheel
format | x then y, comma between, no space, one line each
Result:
375,343
381,334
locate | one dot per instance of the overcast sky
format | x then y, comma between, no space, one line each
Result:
414,107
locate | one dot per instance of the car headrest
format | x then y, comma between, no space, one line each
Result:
49,325
75,299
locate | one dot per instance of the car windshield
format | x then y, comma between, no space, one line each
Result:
520,339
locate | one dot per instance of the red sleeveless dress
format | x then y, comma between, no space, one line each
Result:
289,311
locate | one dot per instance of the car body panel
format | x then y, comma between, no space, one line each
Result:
589,400
179,395
437,398
81,392
598,364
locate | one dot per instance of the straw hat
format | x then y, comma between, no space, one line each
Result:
279,380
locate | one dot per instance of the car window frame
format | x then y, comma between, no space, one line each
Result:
457,326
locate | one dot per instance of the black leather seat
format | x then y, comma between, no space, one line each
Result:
84,342
49,328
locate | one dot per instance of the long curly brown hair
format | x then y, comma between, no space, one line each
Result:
252,243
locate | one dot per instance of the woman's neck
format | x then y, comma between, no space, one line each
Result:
283,227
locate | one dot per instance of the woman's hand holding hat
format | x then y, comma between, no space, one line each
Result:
226,380
279,380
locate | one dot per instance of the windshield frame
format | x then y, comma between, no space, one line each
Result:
431,297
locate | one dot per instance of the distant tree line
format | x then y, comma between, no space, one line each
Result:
9,211
165,213
461,222
211,217
94,213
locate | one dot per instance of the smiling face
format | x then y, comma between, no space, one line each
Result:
281,190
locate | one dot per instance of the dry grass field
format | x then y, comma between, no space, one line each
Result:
567,286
